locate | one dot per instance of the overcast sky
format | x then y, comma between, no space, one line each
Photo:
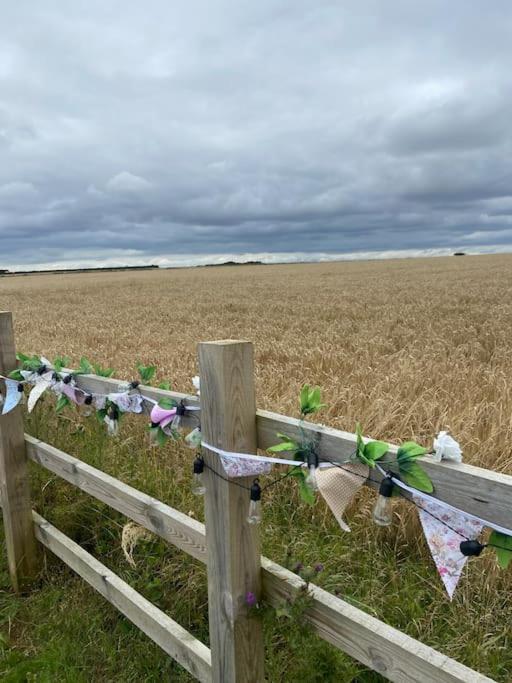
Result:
161,131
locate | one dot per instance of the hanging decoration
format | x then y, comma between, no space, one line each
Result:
452,534
13,395
338,487
445,530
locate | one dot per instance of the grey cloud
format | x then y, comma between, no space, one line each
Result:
140,132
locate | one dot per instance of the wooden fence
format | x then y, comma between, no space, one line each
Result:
227,544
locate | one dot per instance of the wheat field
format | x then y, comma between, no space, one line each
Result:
405,347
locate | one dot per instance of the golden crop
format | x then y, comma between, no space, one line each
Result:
406,347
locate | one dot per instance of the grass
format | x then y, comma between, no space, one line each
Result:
405,347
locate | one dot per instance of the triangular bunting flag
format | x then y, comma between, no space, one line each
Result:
41,385
239,467
339,485
12,396
444,541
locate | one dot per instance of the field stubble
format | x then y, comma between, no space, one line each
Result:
405,347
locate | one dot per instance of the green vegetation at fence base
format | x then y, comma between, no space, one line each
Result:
64,631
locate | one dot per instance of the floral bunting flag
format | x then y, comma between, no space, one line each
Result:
339,485
444,541
239,467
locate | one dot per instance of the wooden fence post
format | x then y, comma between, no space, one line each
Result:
228,421
22,550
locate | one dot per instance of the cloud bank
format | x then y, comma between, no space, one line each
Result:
181,131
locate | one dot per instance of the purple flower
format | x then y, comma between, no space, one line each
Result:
250,599
319,568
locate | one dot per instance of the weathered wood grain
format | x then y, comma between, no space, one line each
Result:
170,636
482,492
179,529
22,550
377,645
393,654
228,421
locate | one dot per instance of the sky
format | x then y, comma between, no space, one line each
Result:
191,132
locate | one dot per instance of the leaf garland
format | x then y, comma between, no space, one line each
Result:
368,453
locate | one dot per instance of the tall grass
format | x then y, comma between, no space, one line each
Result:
405,347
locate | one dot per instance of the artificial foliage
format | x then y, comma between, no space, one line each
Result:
302,448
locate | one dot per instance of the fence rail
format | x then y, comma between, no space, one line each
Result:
370,641
483,492
227,544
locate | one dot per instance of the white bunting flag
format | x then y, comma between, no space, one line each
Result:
12,396
42,384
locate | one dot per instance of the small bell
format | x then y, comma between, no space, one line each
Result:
254,516
311,479
198,487
193,438
382,512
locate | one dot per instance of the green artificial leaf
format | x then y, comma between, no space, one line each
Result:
146,372
101,414
85,367
307,495
61,362
16,374
304,396
503,549
284,446
360,448
102,372
29,362
165,385
415,476
374,450
310,400
62,402
161,437
167,403
410,450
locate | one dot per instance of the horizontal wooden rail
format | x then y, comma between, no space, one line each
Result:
480,491
172,525
395,655
170,636
106,385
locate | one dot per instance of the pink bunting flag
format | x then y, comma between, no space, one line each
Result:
444,530
75,395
